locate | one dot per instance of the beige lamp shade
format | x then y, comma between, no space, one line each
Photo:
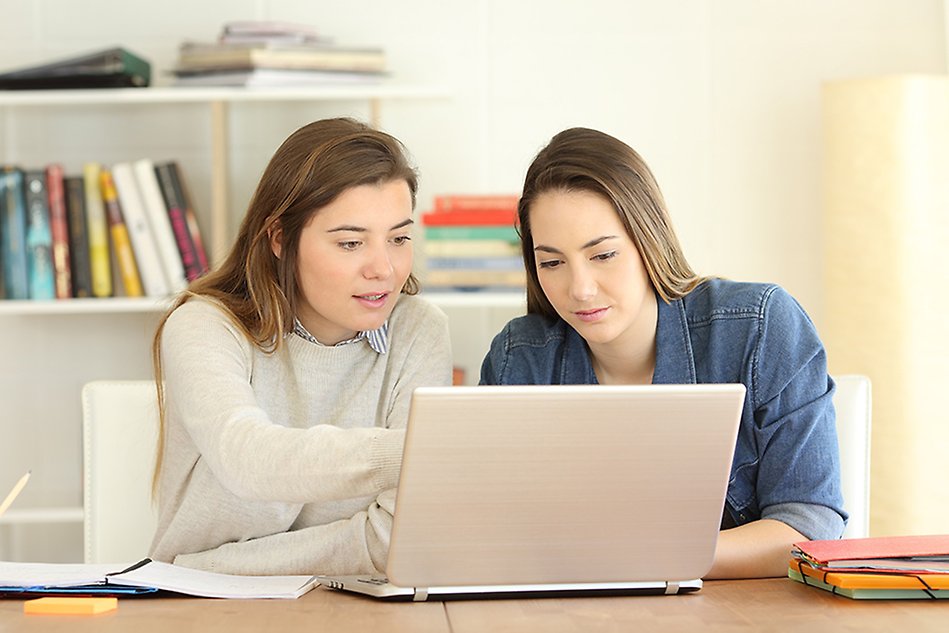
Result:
886,282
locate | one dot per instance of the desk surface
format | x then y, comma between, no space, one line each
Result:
738,605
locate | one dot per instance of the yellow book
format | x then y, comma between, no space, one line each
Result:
98,232
121,244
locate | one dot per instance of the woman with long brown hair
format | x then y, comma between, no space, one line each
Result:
285,375
611,299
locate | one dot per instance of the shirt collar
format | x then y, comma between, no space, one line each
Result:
378,339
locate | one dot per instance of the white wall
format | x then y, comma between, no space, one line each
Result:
721,98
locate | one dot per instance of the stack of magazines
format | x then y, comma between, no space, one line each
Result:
875,568
275,54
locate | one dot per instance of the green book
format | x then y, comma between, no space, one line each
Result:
507,233
108,68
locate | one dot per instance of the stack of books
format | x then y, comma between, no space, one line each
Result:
257,54
471,243
896,567
125,230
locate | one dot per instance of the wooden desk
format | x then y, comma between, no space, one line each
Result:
743,605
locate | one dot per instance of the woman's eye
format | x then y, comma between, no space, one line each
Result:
604,256
350,245
399,240
550,263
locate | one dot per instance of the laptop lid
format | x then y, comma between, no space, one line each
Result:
553,485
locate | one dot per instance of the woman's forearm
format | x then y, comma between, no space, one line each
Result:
760,549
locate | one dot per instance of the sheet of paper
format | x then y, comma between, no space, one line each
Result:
53,574
211,585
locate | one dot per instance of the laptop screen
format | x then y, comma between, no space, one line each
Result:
562,484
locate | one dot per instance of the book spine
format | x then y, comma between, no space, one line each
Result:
59,226
181,189
475,263
475,217
461,278
458,202
150,268
471,248
121,244
179,224
506,233
97,228
159,223
78,239
39,238
13,231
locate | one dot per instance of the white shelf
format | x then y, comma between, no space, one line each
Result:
126,305
475,299
123,96
219,100
117,305
43,515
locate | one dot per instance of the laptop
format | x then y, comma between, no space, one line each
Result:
528,491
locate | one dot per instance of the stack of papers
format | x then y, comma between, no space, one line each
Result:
875,568
146,576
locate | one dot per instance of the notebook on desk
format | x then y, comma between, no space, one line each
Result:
558,490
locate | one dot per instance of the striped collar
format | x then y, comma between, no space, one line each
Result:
378,339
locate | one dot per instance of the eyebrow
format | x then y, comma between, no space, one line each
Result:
361,229
590,244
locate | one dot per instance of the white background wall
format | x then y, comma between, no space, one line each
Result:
720,96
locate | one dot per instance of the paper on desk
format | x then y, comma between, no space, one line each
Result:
207,584
52,574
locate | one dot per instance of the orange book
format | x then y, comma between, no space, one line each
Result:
870,580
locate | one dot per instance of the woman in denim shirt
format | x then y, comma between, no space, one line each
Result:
612,300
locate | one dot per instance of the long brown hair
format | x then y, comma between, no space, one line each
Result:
589,160
308,171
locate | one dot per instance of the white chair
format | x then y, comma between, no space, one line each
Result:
119,433
852,402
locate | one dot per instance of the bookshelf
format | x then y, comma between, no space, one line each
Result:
52,348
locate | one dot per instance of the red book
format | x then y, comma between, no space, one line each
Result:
455,203
498,217
845,553
179,222
59,226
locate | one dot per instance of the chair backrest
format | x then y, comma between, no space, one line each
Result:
852,402
119,432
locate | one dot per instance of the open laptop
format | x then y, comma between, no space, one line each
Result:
558,490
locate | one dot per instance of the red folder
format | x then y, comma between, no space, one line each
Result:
845,552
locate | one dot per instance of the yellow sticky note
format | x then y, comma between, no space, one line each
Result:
71,605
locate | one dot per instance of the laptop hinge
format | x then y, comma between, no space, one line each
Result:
421,595
671,588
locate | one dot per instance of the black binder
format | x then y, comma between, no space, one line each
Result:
109,68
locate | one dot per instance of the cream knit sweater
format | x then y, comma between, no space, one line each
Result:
286,463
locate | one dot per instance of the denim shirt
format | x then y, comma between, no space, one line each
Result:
786,464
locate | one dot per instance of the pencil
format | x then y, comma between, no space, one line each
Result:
13,493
